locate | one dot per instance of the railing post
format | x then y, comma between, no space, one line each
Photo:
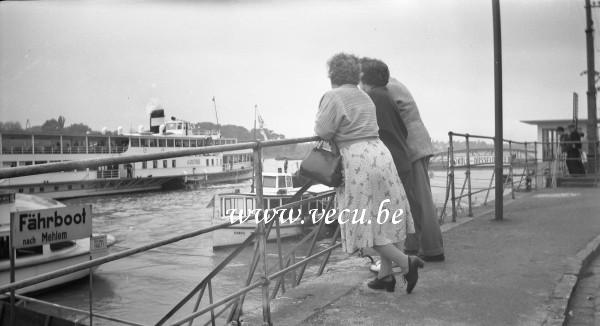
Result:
510,170
262,240
452,189
535,159
468,176
527,176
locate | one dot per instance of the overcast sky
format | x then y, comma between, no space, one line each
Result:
101,63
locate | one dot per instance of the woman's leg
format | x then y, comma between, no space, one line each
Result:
390,252
385,268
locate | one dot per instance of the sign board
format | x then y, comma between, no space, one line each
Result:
98,244
38,227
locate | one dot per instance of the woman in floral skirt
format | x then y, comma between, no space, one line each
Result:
347,118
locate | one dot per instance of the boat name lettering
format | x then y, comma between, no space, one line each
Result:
49,222
194,162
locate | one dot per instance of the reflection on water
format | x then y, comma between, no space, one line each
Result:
146,286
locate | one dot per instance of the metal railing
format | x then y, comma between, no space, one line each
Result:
521,155
287,263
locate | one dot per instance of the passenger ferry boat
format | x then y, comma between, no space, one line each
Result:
46,258
22,149
278,189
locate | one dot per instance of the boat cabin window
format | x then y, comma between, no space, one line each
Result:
273,203
144,142
249,204
135,142
288,181
152,142
161,143
177,142
233,205
281,182
61,245
171,125
9,164
269,181
170,143
227,206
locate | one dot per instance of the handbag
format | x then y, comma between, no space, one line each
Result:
322,166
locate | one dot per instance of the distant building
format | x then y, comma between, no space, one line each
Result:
546,134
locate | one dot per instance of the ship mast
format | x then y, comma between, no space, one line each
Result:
216,113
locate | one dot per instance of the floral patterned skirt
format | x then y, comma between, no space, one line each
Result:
370,178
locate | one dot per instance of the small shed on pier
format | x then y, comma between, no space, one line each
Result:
546,134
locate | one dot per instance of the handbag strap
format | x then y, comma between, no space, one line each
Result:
301,191
333,146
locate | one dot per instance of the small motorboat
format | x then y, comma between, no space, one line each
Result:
278,189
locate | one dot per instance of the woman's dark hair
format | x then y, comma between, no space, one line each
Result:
344,69
560,129
374,72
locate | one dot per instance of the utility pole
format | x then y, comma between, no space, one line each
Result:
498,134
592,120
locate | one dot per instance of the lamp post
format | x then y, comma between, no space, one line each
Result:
592,125
498,142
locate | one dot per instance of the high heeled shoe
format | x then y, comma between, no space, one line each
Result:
411,278
380,284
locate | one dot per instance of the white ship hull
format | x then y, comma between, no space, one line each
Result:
235,235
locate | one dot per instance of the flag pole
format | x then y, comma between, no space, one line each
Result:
216,113
255,121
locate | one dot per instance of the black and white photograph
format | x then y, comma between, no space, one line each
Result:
288,162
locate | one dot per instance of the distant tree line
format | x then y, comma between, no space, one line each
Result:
50,126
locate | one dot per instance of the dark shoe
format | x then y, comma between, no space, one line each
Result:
411,278
380,284
434,258
410,252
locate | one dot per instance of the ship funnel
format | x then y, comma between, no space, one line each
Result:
157,117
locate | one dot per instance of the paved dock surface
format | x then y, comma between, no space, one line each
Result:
496,272
585,304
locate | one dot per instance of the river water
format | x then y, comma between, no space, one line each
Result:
144,287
